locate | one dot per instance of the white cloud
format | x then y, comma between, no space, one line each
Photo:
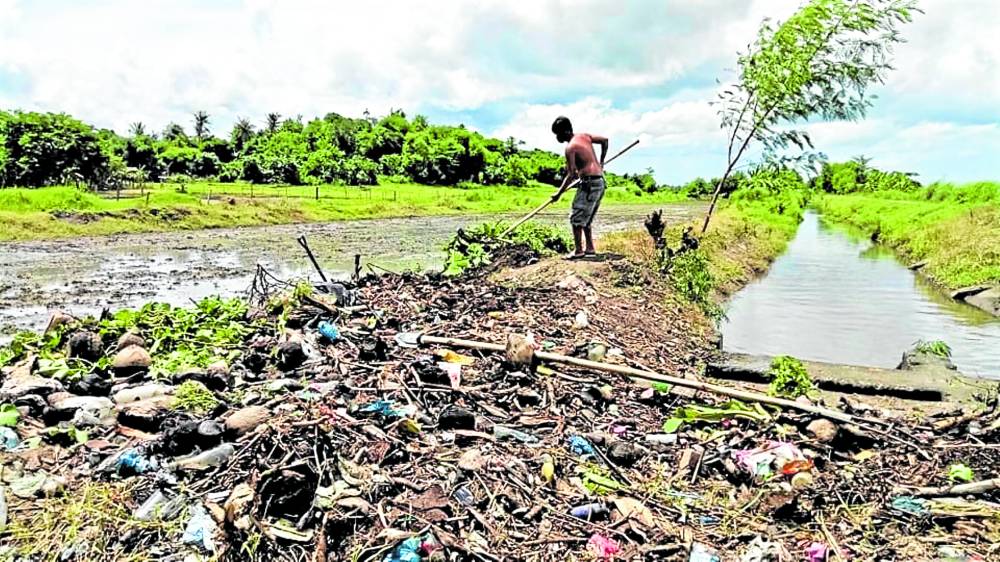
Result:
952,51
635,69
675,124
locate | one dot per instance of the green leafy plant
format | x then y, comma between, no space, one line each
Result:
9,415
690,275
789,378
960,472
474,248
934,347
714,414
192,396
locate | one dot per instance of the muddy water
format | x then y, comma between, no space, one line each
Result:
84,275
834,298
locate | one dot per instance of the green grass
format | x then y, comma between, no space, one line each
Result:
57,212
956,229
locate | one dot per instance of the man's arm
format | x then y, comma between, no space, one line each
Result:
603,141
571,173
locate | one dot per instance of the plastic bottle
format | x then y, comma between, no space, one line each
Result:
589,511
159,506
208,459
141,392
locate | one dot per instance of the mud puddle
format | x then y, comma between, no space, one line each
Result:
84,275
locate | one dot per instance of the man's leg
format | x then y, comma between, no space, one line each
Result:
578,232
588,231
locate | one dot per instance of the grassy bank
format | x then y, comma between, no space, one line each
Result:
56,212
955,229
745,236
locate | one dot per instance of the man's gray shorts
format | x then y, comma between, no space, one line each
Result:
588,198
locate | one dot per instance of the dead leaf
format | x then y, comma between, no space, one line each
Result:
433,497
634,509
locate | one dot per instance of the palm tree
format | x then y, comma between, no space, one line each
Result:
200,124
137,129
173,131
242,133
273,120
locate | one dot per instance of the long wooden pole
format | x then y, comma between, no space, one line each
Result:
650,376
555,197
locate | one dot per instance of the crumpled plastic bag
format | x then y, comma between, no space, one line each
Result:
200,529
759,461
602,547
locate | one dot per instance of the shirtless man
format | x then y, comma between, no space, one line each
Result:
582,163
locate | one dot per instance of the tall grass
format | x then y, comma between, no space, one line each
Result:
955,228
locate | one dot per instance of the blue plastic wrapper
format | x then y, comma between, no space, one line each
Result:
133,460
329,331
8,438
407,551
580,446
384,407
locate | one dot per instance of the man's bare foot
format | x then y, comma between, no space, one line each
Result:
575,256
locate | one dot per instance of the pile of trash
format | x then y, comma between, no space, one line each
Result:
415,418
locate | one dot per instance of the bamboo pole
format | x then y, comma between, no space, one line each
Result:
651,376
971,488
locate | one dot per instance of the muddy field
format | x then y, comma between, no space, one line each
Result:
85,274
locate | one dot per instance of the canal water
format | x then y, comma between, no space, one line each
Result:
836,298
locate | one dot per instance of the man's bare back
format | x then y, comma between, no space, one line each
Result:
581,151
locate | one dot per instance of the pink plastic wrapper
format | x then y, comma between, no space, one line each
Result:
603,547
816,552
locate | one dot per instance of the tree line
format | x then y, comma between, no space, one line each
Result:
39,149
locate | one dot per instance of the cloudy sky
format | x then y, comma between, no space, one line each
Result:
634,69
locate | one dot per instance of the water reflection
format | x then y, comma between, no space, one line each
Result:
833,297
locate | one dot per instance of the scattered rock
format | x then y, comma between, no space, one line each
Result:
455,417
63,406
218,369
132,359
93,384
913,358
130,338
291,355
625,454
247,419
141,392
20,384
210,433
822,430
147,414
86,345
520,349
58,319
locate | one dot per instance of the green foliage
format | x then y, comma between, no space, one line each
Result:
857,176
954,228
192,396
960,472
9,415
44,149
182,338
789,378
474,248
817,64
936,347
733,409
49,148
691,276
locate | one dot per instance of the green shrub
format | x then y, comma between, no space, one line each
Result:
789,378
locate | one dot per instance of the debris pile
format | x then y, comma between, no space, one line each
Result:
308,426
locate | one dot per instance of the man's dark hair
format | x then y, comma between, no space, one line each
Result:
562,125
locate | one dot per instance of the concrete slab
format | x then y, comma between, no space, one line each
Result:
932,383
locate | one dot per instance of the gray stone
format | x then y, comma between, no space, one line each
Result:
68,404
130,338
822,430
988,300
246,419
86,345
20,384
132,359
